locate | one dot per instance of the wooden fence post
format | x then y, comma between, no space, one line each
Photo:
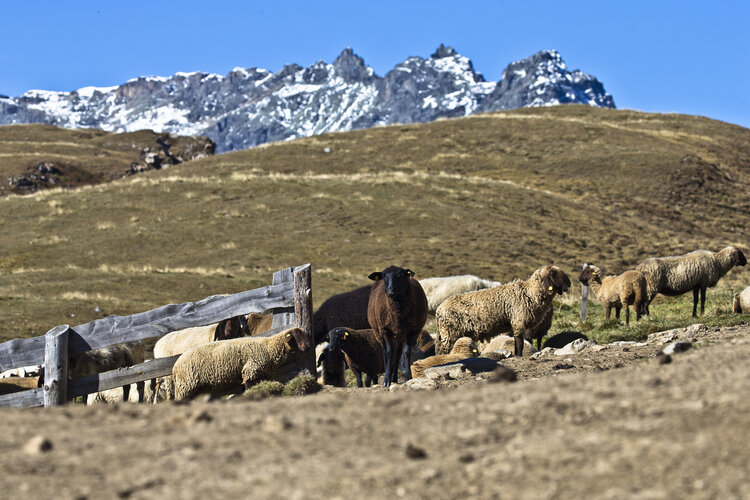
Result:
283,318
56,366
303,308
584,298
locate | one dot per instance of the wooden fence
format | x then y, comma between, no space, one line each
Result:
289,298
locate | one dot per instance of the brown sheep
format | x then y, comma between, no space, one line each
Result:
397,311
624,290
462,349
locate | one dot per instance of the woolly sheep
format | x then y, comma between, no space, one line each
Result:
519,307
462,349
258,323
624,290
183,340
347,309
741,302
106,359
397,312
10,385
226,366
113,396
362,350
439,289
694,271
503,343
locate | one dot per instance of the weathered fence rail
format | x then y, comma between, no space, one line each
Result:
289,298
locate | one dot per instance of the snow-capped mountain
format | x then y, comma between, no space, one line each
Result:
252,106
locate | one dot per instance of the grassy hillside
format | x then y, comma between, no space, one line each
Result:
497,195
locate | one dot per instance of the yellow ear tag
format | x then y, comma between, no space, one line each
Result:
550,288
288,335
346,334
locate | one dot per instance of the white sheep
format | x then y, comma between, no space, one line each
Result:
694,271
519,307
624,290
439,289
741,303
220,367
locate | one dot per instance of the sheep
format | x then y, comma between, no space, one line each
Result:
519,307
397,311
347,309
183,340
462,349
226,366
109,358
694,271
626,289
741,303
503,343
439,289
13,384
334,367
563,338
258,323
113,396
362,350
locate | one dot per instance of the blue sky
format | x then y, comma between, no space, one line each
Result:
664,56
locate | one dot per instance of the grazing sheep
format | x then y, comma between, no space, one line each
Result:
226,366
362,350
397,311
741,302
462,349
519,307
106,359
626,289
347,309
694,271
334,367
439,289
183,340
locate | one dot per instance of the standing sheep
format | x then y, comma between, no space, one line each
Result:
397,311
347,309
694,271
225,366
109,358
519,307
334,368
629,288
741,303
439,289
462,349
362,350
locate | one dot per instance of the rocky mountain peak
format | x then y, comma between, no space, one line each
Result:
443,51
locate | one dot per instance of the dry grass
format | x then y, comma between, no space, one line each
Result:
496,195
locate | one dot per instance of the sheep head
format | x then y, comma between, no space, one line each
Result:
337,338
396,280
554,280
231,328
590,273
465,347
738,257
296,339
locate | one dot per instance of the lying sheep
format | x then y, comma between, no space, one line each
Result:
113,396
362,350
439,289
258,323
741,302
334,367
504,343
347,309
183,340
13,384
106,359
694,271
624,290
226,366
519,307
462,349
397,312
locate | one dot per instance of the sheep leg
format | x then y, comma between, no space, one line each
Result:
695,301
125,392
407,354
703,299
358,374
617,312
609,309
627,314
518,348
141,387
387,348
395,356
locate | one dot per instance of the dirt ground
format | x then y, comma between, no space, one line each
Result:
609,423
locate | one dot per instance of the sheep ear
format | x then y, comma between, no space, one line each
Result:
376,276
346,334
410,273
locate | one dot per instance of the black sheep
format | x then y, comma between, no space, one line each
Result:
345,309
362,350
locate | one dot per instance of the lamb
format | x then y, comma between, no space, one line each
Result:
519,307
362,350
741,302
334,367
694,271
109,358
347,309
462,349
220,367
439,289
183,340
626,289
397,312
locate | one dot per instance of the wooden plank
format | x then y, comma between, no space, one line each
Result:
24,399
153,323
151,369
283,317
56,366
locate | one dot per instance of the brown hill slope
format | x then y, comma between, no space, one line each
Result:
496,195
